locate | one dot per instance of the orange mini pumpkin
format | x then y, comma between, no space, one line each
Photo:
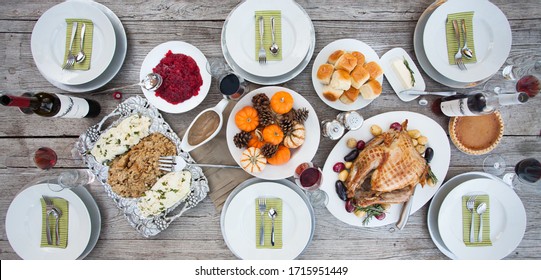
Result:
247,119
281,102
273,134
281,156
257,139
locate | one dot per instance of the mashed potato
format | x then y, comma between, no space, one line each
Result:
168,190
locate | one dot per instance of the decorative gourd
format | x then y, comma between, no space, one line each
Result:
247,119
273,134
296,137
252,160
257,139
281,102
282,156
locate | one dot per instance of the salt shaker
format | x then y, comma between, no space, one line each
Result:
332,129
351,120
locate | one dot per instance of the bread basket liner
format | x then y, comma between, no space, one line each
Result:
152,225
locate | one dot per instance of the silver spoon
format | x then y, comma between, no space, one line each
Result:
480,210
272,215
81,55
151,81
274,47
467,52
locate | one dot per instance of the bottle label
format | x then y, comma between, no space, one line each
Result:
72,107
456,108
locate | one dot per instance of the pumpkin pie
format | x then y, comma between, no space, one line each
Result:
476,135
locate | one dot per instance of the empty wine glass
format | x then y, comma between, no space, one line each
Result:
494,164
527,174
72,178
308,176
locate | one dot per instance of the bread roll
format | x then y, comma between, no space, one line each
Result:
371,90
346,62
335,56
324,73
349,96
360,57
331,93
341,80
373,69
359,76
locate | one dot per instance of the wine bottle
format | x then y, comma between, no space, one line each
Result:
54,105
478,103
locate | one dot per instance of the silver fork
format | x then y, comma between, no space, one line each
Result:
470,205
70,61
262,53
177,163
48,211
262,210
57,213
458,55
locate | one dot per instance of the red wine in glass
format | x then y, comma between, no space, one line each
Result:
529,84
529,170
45,158
308,176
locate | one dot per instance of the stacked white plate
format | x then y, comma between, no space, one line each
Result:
491,32
298,42
24,222
109,45
507,217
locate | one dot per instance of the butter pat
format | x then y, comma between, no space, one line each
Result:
168,190
402,73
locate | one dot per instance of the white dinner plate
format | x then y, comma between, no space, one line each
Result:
346,45
304,153
507,219
492,35
95,219
240,37
393,79
154,57
238,219
435,205
48,42
23,225
437,140
116,63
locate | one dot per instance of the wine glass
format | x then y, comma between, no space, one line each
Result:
231,85
519,77
527,174
73,178
45,158
494,164
308,176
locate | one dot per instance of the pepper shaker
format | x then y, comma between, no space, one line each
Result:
351,120
332,129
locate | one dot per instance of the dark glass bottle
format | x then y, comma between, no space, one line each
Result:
54,105
478,103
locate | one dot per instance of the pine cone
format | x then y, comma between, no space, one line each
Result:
241,139
266,117
286,125
301,115
261,102
268,150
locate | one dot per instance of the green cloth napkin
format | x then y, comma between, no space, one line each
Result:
61,204
452,45
275,203
466,222
267,34
87,47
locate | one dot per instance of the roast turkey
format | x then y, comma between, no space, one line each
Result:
394,167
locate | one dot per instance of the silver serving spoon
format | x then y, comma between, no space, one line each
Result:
151,81
274,47
480,210
467,52
272,215
81,55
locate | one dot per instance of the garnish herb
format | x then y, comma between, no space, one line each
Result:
411,72
371,211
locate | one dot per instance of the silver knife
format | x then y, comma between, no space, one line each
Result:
406,210
420,92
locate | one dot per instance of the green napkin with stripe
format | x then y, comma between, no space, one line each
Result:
466,222
275,203
267,34
61,204
87,44
452,46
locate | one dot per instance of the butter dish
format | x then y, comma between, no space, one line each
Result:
398,73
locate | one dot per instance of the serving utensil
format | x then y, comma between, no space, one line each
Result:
274,47
421,92
458,55
81,55
262,54
470,205
262,208
480,210
467,52
177,163
70,61
272,214
406,210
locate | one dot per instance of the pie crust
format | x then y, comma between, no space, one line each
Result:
476,135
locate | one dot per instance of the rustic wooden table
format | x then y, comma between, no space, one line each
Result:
381,24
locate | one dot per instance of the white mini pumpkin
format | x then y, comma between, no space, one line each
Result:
252,160
296,138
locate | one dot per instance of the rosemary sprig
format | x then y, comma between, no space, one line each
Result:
411,72
371,212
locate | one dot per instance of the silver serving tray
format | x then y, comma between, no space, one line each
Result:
146,226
